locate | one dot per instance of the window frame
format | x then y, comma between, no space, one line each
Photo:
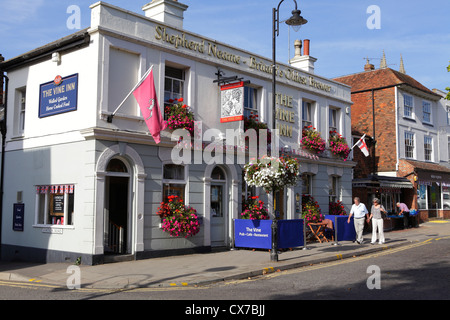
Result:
407,107
44,203
175,182
251,101
412,145
309,121
428,152
427,112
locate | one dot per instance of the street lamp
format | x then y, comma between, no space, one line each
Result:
296,21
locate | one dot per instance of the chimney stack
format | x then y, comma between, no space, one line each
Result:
369,66
170,12
305,62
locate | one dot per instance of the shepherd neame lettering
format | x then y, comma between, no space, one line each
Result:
179,41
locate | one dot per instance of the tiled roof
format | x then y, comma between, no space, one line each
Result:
428,166
380,78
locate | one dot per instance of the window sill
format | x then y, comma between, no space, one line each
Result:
52,226
409,119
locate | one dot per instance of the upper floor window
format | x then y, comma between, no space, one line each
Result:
408,110
250,102
448,115
409,145
307,114
426,106
174,82
428,148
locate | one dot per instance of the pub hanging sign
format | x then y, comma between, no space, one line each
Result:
58,96
232,102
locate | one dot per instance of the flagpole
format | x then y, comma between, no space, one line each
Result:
111,116
362,139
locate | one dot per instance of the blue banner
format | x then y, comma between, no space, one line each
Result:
58,96
253,234
344,231
290,234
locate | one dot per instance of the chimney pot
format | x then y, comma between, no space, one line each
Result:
306,46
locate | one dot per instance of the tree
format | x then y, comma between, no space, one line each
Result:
448,88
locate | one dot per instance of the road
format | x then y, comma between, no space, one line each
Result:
416,271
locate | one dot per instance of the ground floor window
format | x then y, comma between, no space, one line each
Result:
431,195
55,204
174,181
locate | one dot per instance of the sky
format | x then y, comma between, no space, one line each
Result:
342,32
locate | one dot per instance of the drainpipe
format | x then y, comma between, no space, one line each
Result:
2,173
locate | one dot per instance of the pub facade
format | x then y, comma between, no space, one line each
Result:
90,186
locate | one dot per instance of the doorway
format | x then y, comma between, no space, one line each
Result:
219,208
117,217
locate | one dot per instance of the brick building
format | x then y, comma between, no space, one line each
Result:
406,133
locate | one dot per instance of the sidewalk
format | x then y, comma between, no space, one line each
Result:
202,269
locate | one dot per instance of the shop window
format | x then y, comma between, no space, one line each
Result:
434,196
422,196
55,205
409,145
174,181
408,107
428,147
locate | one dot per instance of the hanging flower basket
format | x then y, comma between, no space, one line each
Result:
338,145
272,173
177,219
312,140
179,116
252,122
254,210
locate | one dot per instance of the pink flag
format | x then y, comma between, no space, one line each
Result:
145,95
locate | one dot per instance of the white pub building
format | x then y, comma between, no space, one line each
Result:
80,186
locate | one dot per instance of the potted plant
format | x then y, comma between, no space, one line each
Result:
338,145
312,140
337,209
177,219
311,212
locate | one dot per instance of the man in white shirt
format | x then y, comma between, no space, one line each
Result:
359,210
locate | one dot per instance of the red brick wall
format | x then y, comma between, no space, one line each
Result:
362,123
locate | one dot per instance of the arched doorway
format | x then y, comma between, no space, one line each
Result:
117,208
219,207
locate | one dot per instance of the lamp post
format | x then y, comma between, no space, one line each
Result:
296,21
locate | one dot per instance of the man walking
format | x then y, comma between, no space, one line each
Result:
359,210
